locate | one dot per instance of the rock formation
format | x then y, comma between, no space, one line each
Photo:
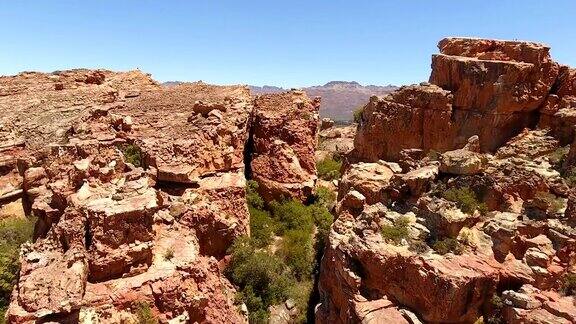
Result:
476,218
492,89
139,190
285,130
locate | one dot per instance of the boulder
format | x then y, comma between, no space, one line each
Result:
465,161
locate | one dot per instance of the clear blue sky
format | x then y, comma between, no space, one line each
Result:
285,43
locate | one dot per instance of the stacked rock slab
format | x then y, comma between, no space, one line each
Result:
489,88
285,129
112,236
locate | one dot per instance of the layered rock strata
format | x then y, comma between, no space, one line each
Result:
489,88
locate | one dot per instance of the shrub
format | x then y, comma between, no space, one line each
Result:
433,155
448,245
132,154
555,204
252,197
324,197
569,284
263,278
329,168
496,306
169,254
323,219
262,227
358,114
13,232
298,253
465,199
558,157
418,247
144,313
397,232
291,215
570,176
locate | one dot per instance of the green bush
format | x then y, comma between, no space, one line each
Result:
496,306
262,227
324,197
144,313
132,154
169,254
292,215
555,204
263,278
252,197
13,232
558,157
298,253
448,245
570,176
418,247
569,284
465,199
358,114
397,232
329,168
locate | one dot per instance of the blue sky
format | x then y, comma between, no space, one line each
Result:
286,43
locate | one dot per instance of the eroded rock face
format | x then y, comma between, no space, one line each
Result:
285,129
491,89
445,261
112,235
488,215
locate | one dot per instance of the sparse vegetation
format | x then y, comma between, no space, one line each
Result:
555,203
433,155
465,199
265,278
13,233
397,232
496,306
329,168
570,176
143,312
569,285
169,254
558,157
132,154
298,253
448,245
358,114
418,247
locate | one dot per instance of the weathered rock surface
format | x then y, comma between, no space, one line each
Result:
112,235
492,89
285,129
403,250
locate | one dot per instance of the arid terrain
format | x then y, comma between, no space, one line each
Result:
450,201
339,98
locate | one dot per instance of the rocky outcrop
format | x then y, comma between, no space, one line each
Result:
475,222
499,246
139,190
136,207
488,88
285,129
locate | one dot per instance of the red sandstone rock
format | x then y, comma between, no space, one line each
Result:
112,235
284,140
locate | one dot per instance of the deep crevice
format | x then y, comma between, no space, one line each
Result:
249,148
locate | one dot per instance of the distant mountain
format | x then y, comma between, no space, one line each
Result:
339,98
